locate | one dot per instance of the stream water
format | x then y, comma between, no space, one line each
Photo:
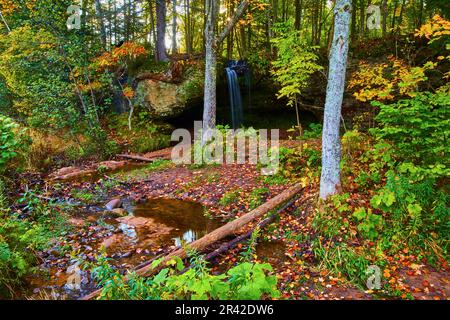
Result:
150,228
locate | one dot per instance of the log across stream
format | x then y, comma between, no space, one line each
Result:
228,229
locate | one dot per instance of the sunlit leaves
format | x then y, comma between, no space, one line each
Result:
127,51
295,63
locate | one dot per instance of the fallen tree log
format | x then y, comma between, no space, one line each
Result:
75,172
137,158
233,243
218,234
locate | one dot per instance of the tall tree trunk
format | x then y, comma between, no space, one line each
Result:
400,18
298,14
126,13
211,44
210,101
362,20
275,11
230,36
243,37
331,144
161,11
99,14
174,27
319,20
384,11
353,25
420,18
152,22
393,16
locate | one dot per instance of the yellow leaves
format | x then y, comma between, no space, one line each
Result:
128,92
8,6
95,85
434,29
46,46
383,81
370,83
128,50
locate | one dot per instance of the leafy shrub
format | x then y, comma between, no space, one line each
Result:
416,215
145,135
314,131
46,98
8,141
245,281
418,127
21,236
229,197
368,223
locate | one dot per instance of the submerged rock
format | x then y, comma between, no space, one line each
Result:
114,204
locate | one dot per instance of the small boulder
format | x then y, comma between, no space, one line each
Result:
119,212
114,204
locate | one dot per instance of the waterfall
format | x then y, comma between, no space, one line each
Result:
235,97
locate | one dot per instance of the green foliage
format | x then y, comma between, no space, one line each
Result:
419,128
246,281
369,223
276,179
8,141
330,221
46,97
343,260
145,136
247,255
417,215
295,63
256,198
314,131
229,197
21,237
378,159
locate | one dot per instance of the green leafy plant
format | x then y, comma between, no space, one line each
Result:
229,197
21,236
8,141
243,282
418,127
295,63
369,223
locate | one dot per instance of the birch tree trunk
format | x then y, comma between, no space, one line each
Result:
174,27
152,22
211,44
161,10
331,144
210,101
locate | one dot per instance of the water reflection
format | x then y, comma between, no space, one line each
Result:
129,231
188,237
186,219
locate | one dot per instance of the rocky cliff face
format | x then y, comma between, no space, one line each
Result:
166,97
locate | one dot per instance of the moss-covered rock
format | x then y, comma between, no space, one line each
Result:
165,99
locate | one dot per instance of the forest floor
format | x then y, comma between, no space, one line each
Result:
227,191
